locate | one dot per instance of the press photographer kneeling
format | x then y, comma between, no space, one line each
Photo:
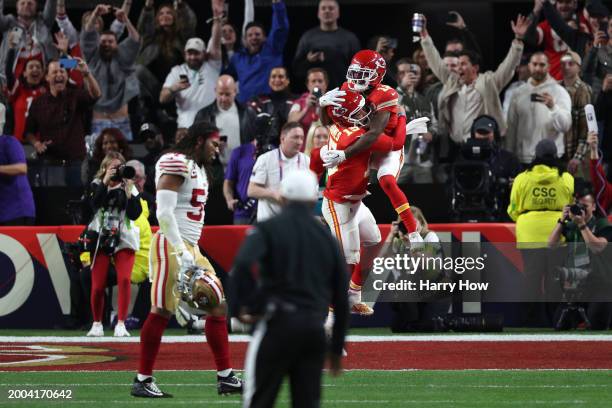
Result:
587,267
116,204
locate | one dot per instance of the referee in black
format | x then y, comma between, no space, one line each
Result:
286,274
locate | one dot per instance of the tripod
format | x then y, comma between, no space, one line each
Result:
571,308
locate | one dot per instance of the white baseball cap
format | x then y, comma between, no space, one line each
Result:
300,185
196,44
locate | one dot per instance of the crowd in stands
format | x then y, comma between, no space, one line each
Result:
73,92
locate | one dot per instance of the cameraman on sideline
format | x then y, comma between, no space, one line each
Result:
578,224
116,204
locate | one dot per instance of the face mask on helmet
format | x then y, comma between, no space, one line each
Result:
359,77
200,288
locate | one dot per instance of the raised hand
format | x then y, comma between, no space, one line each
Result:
459,24
520,26
62,42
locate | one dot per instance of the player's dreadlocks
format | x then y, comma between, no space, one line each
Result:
187,145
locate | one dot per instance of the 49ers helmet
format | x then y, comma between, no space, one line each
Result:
200,288
352,112
367,69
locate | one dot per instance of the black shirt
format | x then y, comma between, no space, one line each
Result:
300,265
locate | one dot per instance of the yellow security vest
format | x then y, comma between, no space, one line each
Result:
536,201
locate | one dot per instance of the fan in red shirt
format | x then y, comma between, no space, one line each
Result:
350,221
29,86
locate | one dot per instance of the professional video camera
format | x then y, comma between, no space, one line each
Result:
266,132
476,194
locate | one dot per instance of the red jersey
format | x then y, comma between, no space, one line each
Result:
554,48
349,180
385,98
21,101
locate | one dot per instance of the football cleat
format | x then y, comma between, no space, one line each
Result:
362,309
120,330
148,389
229,385
96,330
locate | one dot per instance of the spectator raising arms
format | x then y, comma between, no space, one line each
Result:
192,84
252,64
164,35
113,65
33,31
56,122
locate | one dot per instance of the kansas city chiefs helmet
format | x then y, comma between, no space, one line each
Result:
200,288
352,112
367,69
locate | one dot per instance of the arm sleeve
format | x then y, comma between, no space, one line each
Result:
128,51
562,112
231,173
249,15
589,67
316,164
10,74
434,60
259,174
134,208
99,191
66,26
49,13
532,36
89,44
166,205
280,28
514,207
340,301
187,21
574,39
146,24
510,138
300,63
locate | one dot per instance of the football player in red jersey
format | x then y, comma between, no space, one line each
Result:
364,75
350,221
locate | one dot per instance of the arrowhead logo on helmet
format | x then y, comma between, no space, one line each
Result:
367,69
352,112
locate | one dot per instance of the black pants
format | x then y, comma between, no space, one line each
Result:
284,346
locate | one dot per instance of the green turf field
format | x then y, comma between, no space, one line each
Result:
354,389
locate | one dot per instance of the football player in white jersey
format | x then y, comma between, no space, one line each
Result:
182,189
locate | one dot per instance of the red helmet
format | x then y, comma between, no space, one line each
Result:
367,69
352,112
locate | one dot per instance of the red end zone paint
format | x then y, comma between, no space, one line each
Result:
434,355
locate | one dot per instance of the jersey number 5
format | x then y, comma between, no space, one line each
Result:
197,201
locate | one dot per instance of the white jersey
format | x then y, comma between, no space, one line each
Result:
192,194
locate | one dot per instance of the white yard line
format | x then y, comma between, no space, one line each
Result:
241,338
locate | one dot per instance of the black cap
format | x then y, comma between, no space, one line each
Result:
546,148
148,130
484,123
597,9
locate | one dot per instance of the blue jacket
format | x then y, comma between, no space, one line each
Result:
253,70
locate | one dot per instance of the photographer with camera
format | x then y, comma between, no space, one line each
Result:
306,109
588,237
483,163
116,204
